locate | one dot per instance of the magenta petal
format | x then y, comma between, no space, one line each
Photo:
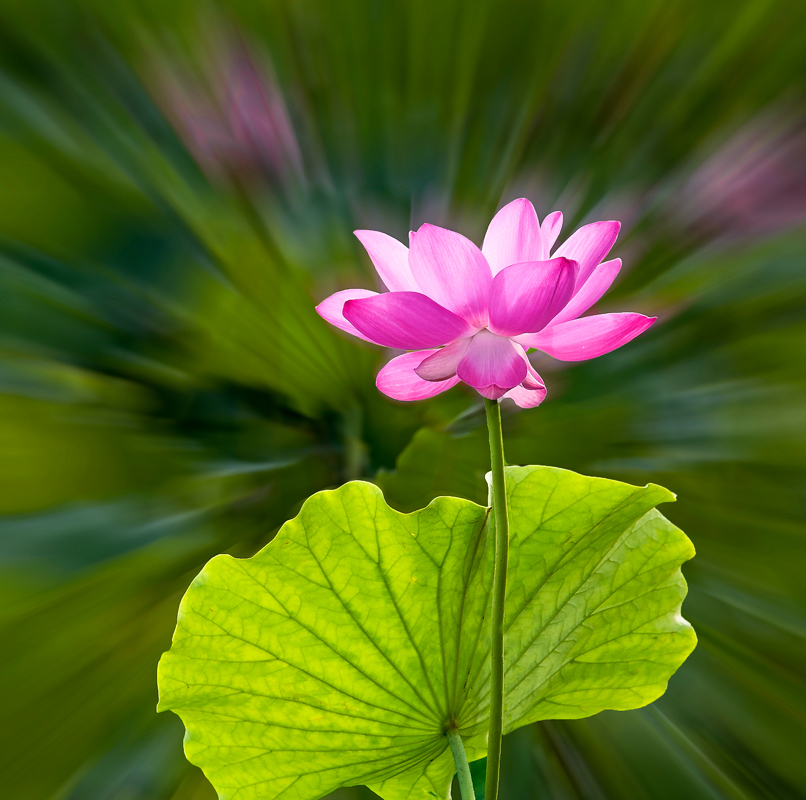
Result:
532,381
532,392
399,380
527,397
525,297
590,292
492,392
442,364
513,236
405,320
550,230
391,260
588,246
332,309
451,270
589,337
492,364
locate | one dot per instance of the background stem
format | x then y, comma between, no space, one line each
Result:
501,530
462,767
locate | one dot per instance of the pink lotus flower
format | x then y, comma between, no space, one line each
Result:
238,126
471,315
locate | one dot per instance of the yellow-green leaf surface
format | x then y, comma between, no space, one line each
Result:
341,652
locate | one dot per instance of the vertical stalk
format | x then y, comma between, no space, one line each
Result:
462,767
501,523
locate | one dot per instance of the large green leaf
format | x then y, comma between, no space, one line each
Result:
341,652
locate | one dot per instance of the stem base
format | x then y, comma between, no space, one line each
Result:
462,767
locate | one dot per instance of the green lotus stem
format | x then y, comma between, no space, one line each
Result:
501,529
462,767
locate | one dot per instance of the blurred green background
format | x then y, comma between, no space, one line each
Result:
178,186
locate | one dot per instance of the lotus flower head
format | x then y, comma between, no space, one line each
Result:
470,315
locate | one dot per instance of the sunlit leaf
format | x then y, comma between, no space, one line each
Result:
341,653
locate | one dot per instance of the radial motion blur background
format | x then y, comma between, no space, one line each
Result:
178,186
